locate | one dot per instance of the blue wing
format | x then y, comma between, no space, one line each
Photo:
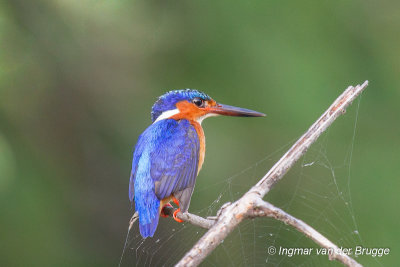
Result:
164,163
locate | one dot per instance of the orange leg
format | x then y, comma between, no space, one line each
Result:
178,210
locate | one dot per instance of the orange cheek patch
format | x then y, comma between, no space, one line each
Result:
188,111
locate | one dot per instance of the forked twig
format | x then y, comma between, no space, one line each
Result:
251,203
265,209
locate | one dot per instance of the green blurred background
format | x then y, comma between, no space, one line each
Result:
78,78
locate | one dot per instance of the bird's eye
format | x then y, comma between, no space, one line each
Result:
198,102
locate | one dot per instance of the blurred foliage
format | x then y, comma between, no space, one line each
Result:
78,78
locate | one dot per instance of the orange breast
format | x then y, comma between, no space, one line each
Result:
202,140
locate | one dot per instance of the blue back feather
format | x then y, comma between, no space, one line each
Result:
164,162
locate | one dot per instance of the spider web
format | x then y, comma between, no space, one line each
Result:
316,190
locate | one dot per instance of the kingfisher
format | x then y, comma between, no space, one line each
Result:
170,153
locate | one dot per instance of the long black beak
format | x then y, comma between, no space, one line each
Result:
226,110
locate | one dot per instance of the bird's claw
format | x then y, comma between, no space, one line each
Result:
176,218
178,210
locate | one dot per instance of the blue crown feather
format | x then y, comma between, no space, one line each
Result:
168,100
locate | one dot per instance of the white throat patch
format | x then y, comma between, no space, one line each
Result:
200,119
167,114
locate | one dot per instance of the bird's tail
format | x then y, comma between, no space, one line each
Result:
147,230
148,208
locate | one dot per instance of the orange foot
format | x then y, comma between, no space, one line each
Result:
162,210
178,210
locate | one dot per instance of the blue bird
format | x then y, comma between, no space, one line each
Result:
170,153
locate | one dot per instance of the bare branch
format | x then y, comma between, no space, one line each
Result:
264,208
234,213
190,218
134,218
300,147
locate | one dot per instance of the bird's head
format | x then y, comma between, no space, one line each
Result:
194,105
